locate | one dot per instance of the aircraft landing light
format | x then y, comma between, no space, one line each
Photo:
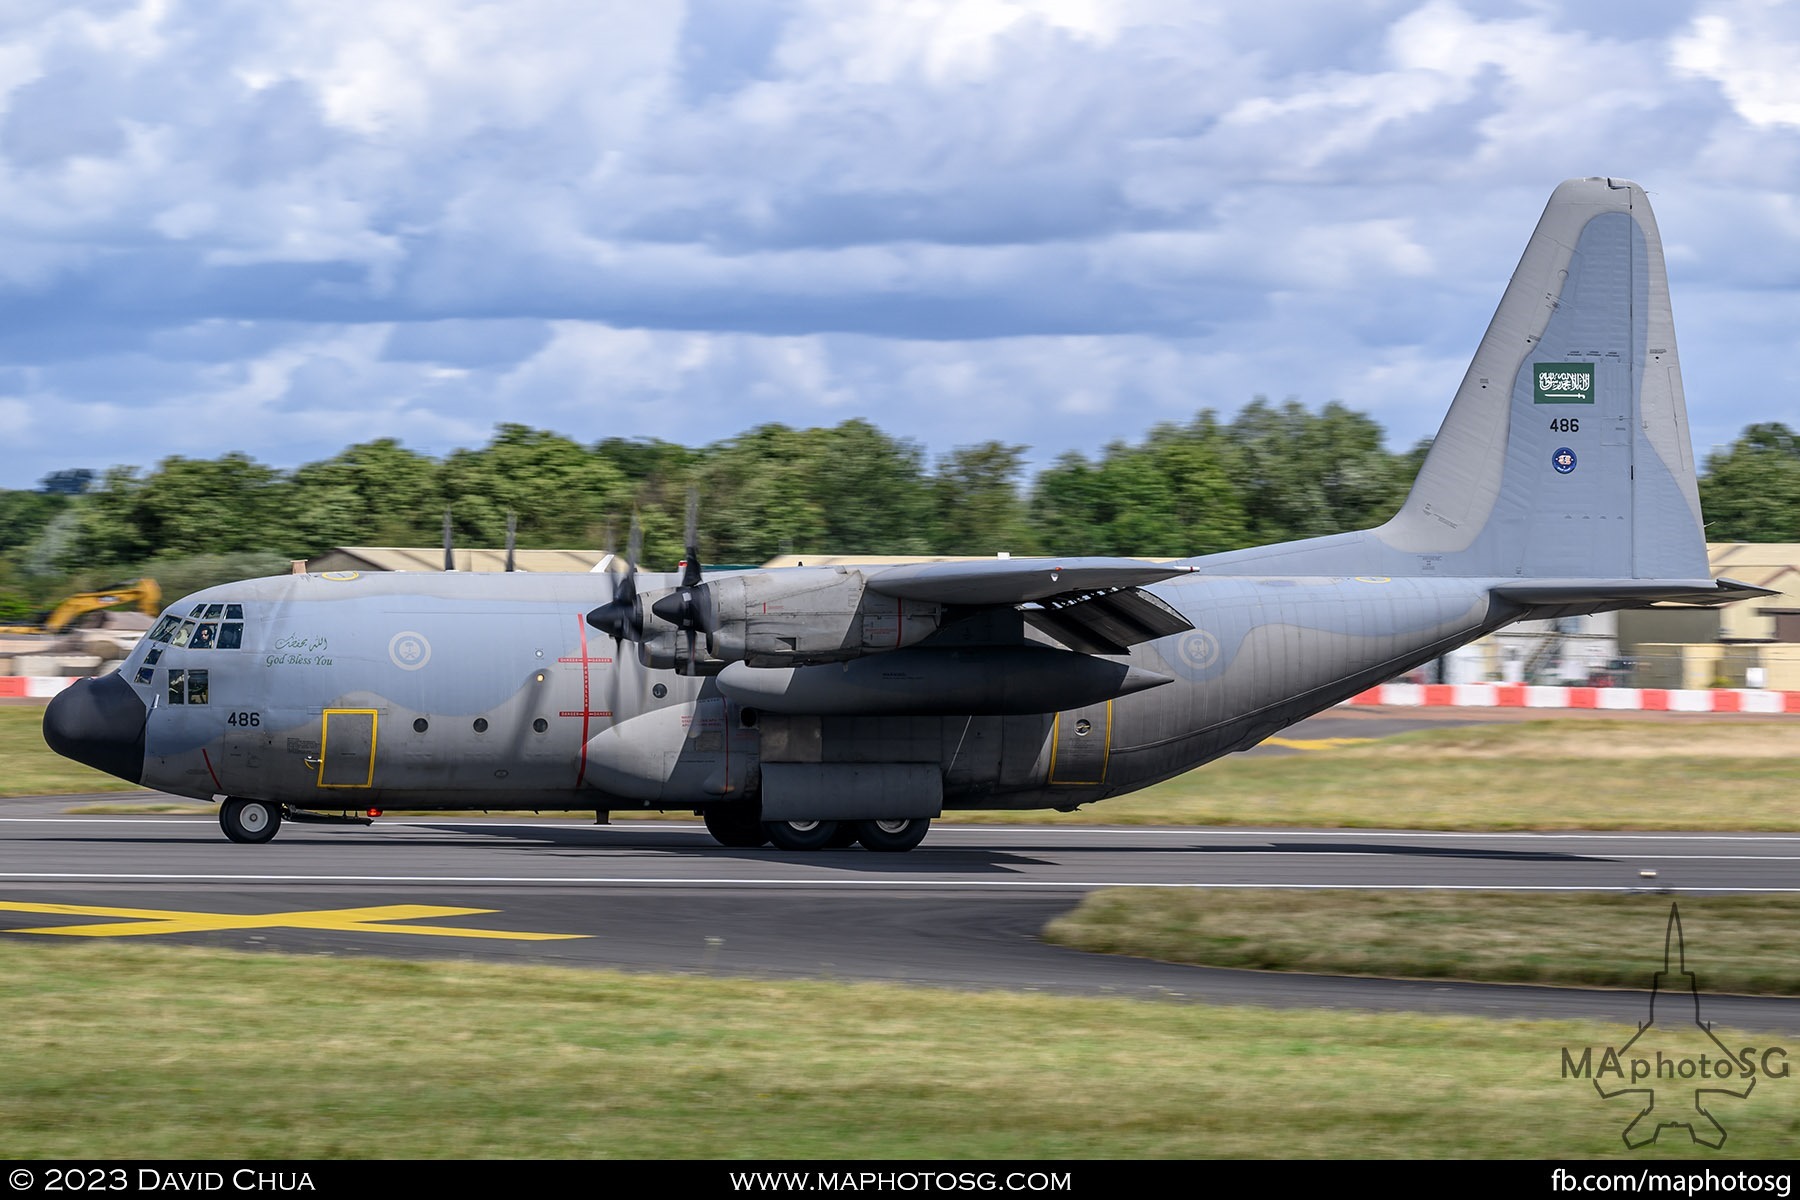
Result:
375,919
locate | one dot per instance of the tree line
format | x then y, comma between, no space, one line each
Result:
1273,472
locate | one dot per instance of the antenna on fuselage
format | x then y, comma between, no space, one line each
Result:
512,525
449,561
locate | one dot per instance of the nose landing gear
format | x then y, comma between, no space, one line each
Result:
250,821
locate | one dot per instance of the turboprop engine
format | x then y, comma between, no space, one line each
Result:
808,615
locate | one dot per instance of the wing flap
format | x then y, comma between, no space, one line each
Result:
1105,622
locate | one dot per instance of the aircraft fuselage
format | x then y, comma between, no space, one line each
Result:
491,691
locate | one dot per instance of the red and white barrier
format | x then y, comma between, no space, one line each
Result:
14,687
1519,695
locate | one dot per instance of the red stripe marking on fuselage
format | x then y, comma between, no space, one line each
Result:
586,704
209,770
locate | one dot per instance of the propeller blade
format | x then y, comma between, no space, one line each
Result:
512,525
621,615
690,574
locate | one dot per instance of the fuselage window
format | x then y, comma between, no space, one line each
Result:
197,688
183,634
164,628
177,686
214,611
231,634
234,612
145,674
204,637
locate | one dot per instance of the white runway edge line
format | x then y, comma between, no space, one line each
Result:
1071,885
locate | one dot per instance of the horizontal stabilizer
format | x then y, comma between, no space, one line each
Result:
1628,593
1015,580
1106,622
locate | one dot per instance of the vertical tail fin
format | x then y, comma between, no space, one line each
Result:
1566,451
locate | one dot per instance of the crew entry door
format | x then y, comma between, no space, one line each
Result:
347,748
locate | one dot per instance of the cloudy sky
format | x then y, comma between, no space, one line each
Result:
281,226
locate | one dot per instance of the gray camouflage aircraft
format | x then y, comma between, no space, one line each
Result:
817,706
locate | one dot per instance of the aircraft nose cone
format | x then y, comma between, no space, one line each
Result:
99,722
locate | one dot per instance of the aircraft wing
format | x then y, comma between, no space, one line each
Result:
1090,605
1015,580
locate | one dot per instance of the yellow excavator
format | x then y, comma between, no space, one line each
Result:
141,592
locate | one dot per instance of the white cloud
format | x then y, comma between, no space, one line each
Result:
1749,49
1051,222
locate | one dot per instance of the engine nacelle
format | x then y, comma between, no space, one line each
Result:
809,615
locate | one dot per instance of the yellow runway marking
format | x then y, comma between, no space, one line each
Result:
141,921
1315,743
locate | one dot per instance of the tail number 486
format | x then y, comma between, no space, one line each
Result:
246,719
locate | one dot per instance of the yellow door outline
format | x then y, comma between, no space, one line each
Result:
374,716
1105,750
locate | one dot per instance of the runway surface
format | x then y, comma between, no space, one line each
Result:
963,910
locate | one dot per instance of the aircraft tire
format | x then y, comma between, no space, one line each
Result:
892,837
738,830
800,835
249,821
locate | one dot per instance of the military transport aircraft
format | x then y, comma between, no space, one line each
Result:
816,706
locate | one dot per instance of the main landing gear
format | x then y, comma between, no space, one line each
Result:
250,821
740,830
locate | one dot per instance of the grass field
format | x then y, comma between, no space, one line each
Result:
1734,943
1548,774
30,768
134,1051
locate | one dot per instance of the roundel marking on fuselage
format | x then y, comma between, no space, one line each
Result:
409,650
1198,650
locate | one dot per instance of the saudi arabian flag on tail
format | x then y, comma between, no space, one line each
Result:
1563,383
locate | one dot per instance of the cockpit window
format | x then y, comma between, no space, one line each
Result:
188,687
195,634
145,674
152,658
